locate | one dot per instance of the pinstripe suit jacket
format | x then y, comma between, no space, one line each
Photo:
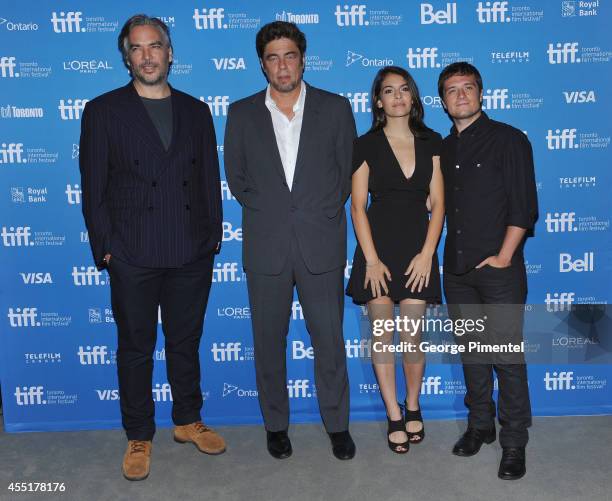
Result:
148,206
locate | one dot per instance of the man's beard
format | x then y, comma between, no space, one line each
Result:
149,79
288,87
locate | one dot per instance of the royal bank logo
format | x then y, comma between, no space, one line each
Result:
573,8
75,151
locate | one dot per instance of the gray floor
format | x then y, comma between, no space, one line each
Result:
568,459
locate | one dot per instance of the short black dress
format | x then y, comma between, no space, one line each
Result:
397,214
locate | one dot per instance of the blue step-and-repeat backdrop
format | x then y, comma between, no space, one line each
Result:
546,68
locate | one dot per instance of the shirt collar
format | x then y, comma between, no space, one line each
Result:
481,122
299,104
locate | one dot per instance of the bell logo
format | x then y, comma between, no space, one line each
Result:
566,264
351,15
300,352
563,53
67,22
431,16
10,153
209,19
559,301
23,317
18,236
7,67
217,104
431,385
71,110
226,352
559,381
492,12
422,58
73,194
93,355
299,388
230,234
560,222
229,63
29,395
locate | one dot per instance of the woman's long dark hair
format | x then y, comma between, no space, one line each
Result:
415,118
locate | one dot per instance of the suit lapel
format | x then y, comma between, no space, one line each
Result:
134,114
263,120
309,127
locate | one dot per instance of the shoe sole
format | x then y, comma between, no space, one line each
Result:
210,453
511,477
135,479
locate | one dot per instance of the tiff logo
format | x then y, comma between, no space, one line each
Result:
29,395
561,139
492,12
559,381
71,110
162,393
431,385
563,53
87,275
560,222
226,194
226,272
443,16
73,194
559,301
299,388
10,153
351,15
67,22
93,355
16,236
226,352
567,264
23,317
7,67
358,100
495,99
296,311
422,58
217,104
209,19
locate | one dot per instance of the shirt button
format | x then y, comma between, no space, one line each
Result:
456,188
456,166
459,252
458,232
456,209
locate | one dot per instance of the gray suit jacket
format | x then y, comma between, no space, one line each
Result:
314,209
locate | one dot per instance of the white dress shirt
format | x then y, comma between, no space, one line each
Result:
287,132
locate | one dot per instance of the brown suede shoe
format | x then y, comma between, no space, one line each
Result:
205,439
137,459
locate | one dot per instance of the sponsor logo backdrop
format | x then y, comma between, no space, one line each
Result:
546,67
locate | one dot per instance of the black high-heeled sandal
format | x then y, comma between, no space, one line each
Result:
414,437
392,427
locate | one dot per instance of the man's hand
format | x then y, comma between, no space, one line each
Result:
107,259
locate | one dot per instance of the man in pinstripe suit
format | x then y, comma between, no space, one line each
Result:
152,206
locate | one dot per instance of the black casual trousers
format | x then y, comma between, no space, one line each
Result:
497,295
182,295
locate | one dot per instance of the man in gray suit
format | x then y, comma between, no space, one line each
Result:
288,155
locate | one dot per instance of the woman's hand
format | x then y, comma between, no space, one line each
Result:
375,276
418,270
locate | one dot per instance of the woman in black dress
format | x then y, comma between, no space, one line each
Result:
398,163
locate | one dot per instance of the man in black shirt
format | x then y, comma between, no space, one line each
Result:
491,205
152,206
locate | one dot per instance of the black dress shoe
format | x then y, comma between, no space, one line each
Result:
471,441
343,446
279,445
512,465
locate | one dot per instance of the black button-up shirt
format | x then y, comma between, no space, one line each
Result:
489,185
